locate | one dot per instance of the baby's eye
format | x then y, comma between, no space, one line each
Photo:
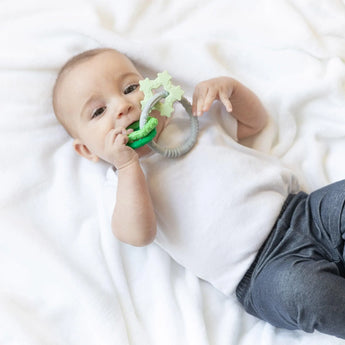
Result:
98,111
130,88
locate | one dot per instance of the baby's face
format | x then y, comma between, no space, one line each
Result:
96,96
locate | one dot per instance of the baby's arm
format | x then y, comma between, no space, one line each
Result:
244,105
133,219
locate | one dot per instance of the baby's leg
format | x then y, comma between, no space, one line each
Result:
325,207
298,293
299,280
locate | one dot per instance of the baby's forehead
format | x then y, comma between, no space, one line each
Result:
69,84
88,75
74,78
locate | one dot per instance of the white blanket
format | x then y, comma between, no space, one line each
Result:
64,279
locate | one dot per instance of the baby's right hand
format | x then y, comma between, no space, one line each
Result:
116,150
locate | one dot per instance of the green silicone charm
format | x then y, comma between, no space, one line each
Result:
141,137
163,80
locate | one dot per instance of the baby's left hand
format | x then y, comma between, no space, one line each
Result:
206,92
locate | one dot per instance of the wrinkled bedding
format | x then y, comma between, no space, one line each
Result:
64,278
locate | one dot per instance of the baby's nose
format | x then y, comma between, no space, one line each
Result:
124,109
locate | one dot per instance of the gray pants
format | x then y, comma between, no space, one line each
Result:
297,280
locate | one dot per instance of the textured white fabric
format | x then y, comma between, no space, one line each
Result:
64,279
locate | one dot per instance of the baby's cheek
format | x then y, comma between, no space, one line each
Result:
141,97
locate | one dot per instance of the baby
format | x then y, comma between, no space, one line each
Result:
279,249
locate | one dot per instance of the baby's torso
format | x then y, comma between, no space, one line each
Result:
216,205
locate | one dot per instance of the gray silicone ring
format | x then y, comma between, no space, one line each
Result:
172,152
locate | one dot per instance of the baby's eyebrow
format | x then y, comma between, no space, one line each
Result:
128,74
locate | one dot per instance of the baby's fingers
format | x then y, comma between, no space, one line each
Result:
112,136
210,97
202,101
226,101
121,139
199,96
197,103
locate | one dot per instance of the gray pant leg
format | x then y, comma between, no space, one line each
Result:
301,294
298,279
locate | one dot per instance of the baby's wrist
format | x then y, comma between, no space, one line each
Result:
134,160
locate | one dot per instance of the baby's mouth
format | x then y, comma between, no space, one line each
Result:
140,137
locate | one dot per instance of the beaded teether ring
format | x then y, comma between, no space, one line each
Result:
151,101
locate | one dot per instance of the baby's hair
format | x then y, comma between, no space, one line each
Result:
73,61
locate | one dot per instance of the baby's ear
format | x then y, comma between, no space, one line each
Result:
84,151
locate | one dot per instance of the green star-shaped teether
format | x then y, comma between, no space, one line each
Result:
163,80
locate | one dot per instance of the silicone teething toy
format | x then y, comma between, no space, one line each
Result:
151,101
141,137
174,93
